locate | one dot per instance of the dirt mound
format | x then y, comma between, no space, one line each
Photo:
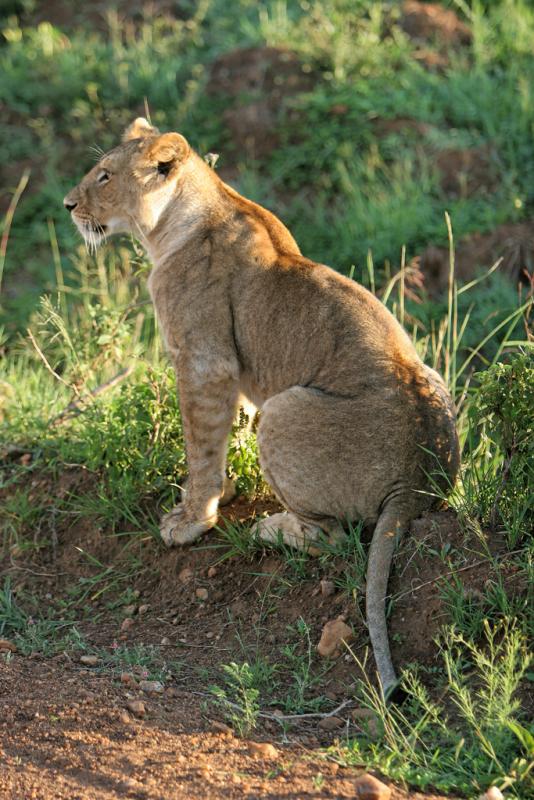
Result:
428,22
513,242
466,171
257,81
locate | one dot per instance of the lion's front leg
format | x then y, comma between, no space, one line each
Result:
208,400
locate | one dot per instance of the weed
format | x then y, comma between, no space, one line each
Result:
473,736
238,699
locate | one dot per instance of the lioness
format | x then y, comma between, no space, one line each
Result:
353,424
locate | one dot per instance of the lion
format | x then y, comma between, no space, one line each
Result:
353,426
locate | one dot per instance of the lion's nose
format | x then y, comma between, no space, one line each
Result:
70,206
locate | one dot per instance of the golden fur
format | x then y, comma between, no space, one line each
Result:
352,422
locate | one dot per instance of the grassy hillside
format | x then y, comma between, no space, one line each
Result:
396,140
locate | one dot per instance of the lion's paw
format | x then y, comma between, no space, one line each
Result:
178,528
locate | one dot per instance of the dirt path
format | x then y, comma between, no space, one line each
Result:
65,735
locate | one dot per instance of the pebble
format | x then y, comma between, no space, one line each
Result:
330,723
126,624
165,641
370,788
221,727
212,572
137,707
185,575
201,593
89,661
125,718
493,793
327,588
127,678
367,720
5,644
262,750
143,609
333,634
129,611
151,686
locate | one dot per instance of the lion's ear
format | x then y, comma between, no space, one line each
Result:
139,129
167,151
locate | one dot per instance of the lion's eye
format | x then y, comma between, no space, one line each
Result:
103,177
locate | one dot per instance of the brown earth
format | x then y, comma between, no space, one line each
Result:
511,242
431,24
66,731
257,82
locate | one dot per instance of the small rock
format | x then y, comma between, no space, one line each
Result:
333,635
212,572
143,609
125,718
165,641
221,727
151,687
262,750
201,593
327,588
127,678
493,793
210,635
370,788
185,575
5,644
330,723
89,661
137,707
367,720
129,611
126,624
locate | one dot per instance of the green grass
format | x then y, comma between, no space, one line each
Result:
85,386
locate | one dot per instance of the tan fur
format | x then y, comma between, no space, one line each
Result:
352,422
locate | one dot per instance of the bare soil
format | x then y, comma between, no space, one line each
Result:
65,728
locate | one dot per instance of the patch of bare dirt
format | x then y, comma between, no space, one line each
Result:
466,171
430,24
513,242
65,733
427,22
257,81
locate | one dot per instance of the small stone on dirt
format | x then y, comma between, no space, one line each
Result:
129,611
367,720
212,572
137,707
330,723
125,718
333,635
5,644
185,575
370,788
201,593
126,624
262,750
221,727
151,687
165,641
89,661
327,588
143,609
127,678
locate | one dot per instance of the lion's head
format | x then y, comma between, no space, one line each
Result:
129,188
